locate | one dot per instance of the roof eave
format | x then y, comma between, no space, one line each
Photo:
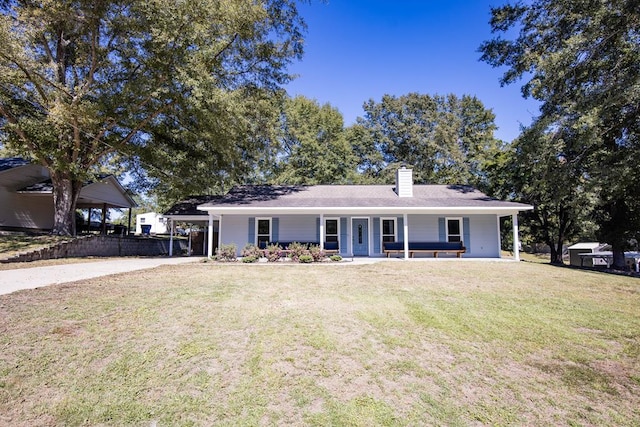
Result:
248,210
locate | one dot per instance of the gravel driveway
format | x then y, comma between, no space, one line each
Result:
36,277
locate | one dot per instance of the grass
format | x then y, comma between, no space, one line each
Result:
14,243
398,343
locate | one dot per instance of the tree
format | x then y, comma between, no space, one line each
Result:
543,169
314,148
207,151
582,61
448,140
82,79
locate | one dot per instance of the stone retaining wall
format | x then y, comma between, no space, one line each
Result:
104,246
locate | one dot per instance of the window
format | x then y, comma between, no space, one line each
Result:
263,227
331,230
388,230
142,220
454,229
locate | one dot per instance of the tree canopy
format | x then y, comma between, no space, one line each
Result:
582,61
313,145
532,171
448,140
85,79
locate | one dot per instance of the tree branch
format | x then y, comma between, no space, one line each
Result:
227,46
28,75
143,123
21,134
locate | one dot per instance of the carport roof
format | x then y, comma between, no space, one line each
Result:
189,206
29,178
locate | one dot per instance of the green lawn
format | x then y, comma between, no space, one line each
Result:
14,243
393,343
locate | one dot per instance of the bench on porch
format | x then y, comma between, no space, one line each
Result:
331,248
424,247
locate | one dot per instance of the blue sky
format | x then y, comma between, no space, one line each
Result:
358,50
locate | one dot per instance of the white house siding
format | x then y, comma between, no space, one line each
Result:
104,190
484,237
300,228
482,228
6,213
483,231
25,211
234,229
423,228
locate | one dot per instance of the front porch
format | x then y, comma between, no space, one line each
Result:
362,235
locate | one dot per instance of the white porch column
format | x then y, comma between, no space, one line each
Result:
499,236
219,230
321,232
516,240
405,232
170,236
210,237
206,239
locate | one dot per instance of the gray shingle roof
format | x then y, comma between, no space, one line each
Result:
12,162
189,206
357,196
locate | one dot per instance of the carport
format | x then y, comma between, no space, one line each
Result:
186,212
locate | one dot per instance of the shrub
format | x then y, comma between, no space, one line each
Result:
226,253
251,250
335,258
250,258
317,253
305,259
296,250
273,252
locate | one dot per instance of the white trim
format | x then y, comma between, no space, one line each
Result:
369,236
189,218
219,231
171,237
210,238
405,225
516,240
321,225
446,227
361,211
270,229
499,230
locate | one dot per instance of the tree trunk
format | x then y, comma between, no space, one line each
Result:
619,262
556,255
65,196
614,230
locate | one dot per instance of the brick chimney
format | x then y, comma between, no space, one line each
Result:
404,182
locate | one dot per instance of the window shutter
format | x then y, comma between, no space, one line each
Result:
318,230
251,237
400,229
466,233
275,229
376,235
442,231
343,235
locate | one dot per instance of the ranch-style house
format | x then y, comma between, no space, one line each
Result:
404,220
